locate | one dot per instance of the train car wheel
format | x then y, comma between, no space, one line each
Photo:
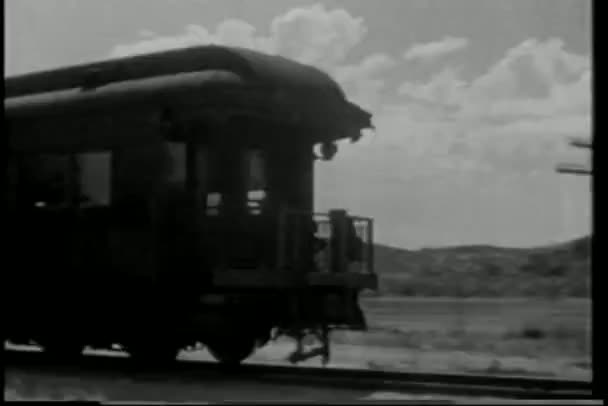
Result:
231,351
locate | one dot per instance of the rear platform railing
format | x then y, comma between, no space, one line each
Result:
325,242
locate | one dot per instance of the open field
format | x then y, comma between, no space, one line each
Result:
484,327
563,317
483,335
509,336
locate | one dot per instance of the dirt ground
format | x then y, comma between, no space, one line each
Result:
496,336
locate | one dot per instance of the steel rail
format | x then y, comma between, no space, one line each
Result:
511,387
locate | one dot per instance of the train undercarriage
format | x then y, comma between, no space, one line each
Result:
229,330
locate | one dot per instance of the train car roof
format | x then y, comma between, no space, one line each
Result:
253,66
281,86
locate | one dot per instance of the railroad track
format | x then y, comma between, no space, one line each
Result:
469,385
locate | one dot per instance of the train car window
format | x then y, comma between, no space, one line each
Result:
95,178
255,180
256,174
46,180
208,179
177,163
256,195
214,201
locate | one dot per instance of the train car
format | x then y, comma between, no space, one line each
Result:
165,201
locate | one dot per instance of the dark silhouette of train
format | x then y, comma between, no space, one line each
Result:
165,201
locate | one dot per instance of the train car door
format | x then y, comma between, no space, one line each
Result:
236,218
139,197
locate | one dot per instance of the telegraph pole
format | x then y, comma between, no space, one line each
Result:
577,169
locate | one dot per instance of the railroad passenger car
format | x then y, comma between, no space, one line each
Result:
164,201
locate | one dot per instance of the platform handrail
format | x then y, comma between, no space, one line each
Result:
291,241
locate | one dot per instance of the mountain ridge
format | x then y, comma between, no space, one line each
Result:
560,269
581,239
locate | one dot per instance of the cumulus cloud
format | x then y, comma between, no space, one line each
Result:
533,79
229,32
317,36
444,88
512,120
364,82
433,50
313,35
530,70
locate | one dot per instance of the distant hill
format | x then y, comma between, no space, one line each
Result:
479,270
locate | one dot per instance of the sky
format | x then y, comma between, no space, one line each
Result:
473,101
